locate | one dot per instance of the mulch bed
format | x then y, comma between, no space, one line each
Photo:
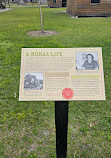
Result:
39,33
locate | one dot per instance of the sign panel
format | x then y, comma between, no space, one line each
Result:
61,74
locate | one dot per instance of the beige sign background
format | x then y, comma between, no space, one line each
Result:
61,74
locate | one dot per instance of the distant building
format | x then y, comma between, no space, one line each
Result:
30,1
56,3
89,7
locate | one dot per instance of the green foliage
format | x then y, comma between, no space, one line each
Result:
28,128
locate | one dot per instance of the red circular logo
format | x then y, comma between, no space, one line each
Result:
67,93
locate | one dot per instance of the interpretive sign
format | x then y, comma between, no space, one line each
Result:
61,74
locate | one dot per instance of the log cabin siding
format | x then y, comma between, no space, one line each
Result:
86,8
55,5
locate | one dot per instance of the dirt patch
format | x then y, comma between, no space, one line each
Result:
39,33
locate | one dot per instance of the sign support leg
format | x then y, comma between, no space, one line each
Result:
61,123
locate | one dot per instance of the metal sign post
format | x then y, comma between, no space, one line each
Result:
61,122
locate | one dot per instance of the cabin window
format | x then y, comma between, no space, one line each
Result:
54,1
95,1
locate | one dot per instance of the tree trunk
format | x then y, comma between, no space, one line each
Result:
41,18
9,3
1,4
5,3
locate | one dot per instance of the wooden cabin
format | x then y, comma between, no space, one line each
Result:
89,7
56,3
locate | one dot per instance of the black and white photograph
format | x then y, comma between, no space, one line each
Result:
33,81
87,61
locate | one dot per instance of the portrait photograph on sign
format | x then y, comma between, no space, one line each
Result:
87,61
61,74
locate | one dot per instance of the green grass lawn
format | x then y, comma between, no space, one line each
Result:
27,129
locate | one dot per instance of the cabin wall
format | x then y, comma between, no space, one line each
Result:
71,6
55,5
86,8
